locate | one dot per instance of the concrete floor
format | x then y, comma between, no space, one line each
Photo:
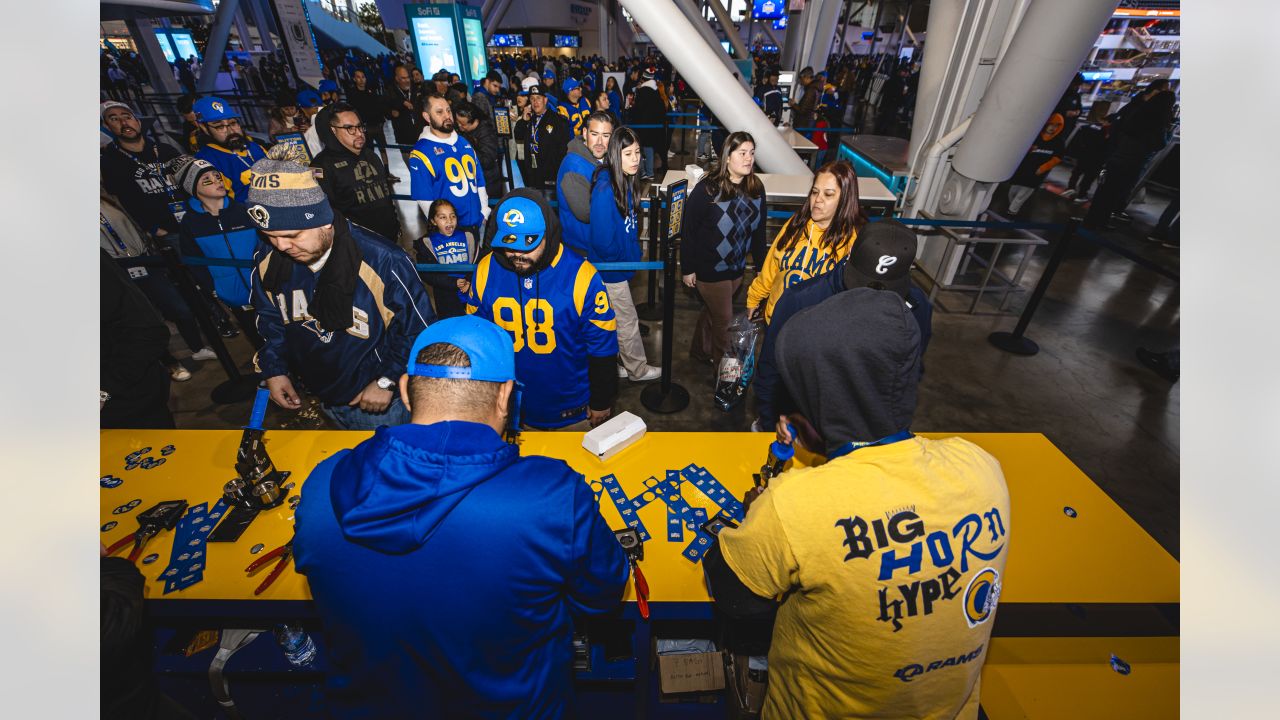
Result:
1085,390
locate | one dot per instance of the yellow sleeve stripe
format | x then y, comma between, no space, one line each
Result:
423,159
482,276
581,284
610,325
563,111
378,289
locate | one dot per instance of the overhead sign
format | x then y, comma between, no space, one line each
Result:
769,9
449,37
299,42
1140,13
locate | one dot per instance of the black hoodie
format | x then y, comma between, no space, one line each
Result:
356,184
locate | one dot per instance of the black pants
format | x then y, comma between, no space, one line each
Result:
159,289
1083,176
1123,173
247,318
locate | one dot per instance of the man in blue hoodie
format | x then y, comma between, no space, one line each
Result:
445,567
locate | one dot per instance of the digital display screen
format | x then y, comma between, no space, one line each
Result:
675,205
769,9
728,48
436,44
183,46
507,40
769,48
473,36
566,41
780,23
165,47
1096,75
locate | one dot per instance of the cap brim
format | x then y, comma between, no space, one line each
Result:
855,278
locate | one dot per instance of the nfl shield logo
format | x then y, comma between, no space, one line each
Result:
528,283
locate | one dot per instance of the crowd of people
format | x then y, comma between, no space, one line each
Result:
444,363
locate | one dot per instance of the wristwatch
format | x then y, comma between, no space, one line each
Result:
386,383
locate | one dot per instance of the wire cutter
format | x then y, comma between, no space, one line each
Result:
162,516
281,555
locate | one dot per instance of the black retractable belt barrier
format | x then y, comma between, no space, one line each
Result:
1016,342
237,387
650,310
666,396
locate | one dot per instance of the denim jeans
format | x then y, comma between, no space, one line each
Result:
351,417
646,161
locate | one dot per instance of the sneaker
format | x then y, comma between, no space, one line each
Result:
1169,244
622,373
204,353
1080,199
650,374
227,329
1068,193
756,427
671,153
179,373
1154,240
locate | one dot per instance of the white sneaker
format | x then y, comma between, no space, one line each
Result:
179,373
204,353
622,372
650,374
1068,193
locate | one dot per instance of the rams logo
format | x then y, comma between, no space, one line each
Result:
260,215
981,596
513,217
217,106
314,326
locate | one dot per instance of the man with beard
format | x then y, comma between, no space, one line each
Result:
351,174
133,170
372,110
554,305
338,308
401,100
227,148
478,129
443,164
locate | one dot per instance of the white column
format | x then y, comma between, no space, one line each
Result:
824,30
1046,52
144,36
704,29
726,24
944,25
696,62
217,45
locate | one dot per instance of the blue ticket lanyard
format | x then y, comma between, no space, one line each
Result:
852,446
115,236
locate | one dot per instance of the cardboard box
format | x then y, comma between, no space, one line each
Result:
690,673
745,694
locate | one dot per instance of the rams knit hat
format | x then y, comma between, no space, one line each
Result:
187,171
284,194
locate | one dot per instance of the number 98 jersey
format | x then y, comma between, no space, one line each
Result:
447,169
557,318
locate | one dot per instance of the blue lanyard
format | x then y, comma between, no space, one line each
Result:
852,446
106,225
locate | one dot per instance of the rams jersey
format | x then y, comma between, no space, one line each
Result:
557,319
236,166
449,170
576,114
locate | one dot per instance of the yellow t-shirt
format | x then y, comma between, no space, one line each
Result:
890,560
780,270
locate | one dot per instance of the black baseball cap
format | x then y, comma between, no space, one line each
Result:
881,258
536,90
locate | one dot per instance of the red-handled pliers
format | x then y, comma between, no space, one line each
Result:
642,590
139,539
284,553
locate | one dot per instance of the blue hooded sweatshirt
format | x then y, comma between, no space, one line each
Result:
614,238
446,569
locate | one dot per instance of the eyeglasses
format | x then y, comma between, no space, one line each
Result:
225,124
350,129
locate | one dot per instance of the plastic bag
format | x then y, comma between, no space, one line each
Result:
738,365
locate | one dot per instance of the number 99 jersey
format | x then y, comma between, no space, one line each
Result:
449,170
557,318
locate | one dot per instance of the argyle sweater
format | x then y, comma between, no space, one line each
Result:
718,234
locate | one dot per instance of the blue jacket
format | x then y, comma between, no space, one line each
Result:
231,234
389,308
614,238
575,233
446,570
771,395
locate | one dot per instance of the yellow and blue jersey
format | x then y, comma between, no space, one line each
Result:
557,318
576,114
449,170
236,166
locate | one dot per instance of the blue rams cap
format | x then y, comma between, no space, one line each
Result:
493,358
309,99
209,109
521,226
570,84
548,73
328,86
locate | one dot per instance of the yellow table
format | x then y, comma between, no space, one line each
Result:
1100,556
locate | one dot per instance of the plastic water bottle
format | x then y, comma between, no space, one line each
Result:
297,645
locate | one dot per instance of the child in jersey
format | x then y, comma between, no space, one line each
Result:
446,245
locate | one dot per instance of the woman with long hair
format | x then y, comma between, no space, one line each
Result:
615,95
724,218
615,237
819,235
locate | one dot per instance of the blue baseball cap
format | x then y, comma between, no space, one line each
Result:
328,86
209,109
569,84
489,347
521,225
548,73
309,99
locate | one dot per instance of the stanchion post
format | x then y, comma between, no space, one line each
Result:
1016,342
649,310
237,387
667,397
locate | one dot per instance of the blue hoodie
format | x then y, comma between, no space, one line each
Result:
614,238
446,569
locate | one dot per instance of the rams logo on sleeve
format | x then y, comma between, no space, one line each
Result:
981,596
